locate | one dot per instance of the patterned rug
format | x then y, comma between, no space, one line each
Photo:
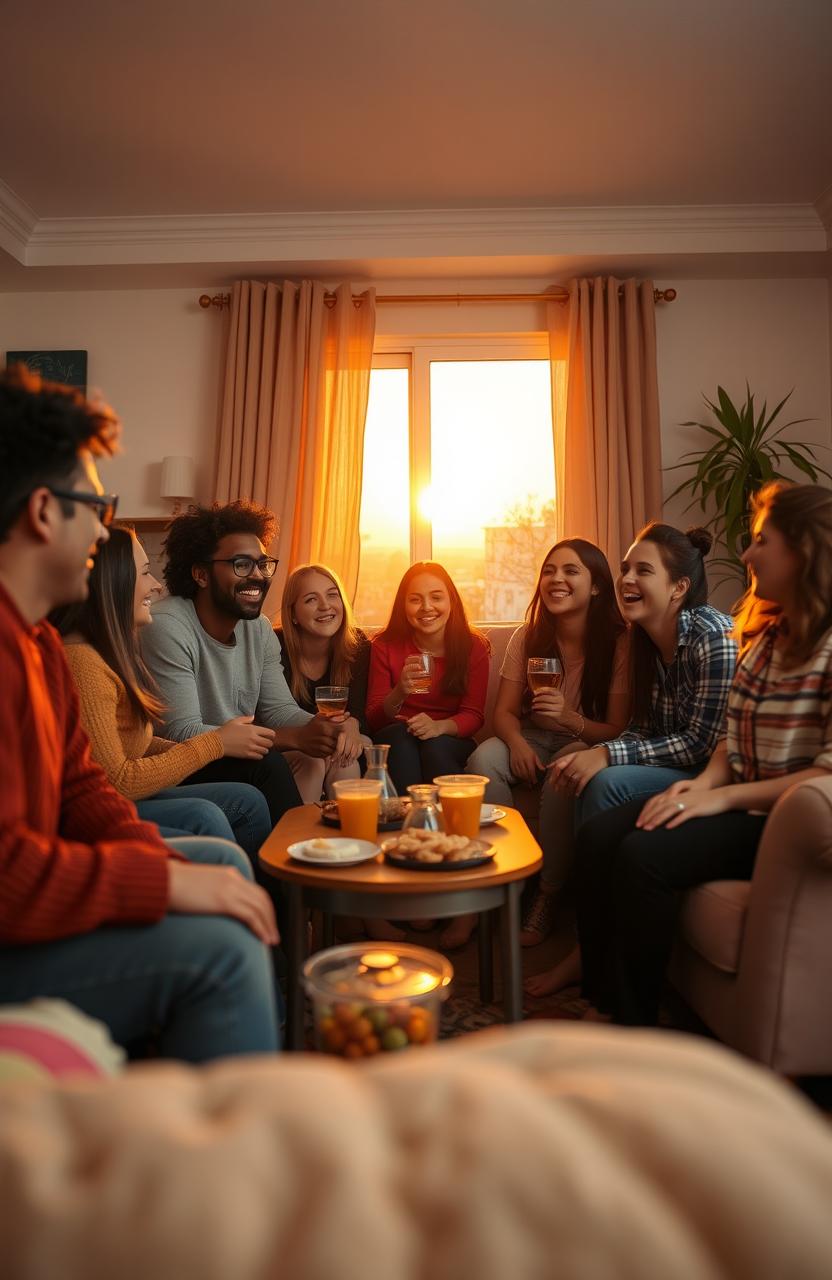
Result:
463,1011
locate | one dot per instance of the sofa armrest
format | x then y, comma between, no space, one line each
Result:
786,953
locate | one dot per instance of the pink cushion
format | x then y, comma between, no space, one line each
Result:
713,919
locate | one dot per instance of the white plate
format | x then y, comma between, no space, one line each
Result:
490,813
301,853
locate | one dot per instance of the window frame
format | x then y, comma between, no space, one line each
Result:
416,354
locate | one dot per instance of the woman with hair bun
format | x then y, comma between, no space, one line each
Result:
635,862
683,656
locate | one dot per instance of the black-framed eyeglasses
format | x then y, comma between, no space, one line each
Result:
104,504
244,565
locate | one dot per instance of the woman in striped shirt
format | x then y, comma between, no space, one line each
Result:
635,862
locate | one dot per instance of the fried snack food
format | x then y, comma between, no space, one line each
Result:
433,846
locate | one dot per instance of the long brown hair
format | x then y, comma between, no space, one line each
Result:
604,626
683,556
343,647
106,620
459,634
802,514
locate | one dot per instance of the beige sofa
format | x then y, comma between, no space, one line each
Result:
578,1151
754,960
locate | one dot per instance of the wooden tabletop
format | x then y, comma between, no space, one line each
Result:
518,855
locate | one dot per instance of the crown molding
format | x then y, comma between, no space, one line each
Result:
17,222
323,236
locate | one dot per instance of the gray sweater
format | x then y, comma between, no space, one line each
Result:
205,683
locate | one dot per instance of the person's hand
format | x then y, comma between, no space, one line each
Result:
410,675
421,726
549,705
244,739
221,891
319,737
348,746
573,772
680,803
524,762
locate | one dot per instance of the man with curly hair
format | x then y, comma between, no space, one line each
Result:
95,908
216,658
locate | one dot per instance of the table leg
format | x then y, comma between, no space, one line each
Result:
295,950
512,965
485,956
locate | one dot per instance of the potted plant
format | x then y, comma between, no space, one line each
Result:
747,452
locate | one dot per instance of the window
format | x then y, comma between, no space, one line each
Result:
459,468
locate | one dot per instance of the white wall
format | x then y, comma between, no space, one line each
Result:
158,358
154,355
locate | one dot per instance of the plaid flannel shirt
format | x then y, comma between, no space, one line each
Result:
690,696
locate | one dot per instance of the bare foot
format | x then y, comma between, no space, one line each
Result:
455,935
384,931
565,974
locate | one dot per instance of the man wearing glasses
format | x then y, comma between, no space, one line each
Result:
215,657
95,908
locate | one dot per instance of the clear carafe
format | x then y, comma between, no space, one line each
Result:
388,805
425,814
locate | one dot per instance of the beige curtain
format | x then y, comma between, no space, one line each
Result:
297,380
605,398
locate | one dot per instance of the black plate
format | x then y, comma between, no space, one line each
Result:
411,864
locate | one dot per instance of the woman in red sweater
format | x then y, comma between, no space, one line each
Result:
429,733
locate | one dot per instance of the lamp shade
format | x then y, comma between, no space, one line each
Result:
177,478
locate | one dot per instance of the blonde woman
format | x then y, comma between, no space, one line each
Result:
321,645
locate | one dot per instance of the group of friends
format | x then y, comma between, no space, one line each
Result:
147,753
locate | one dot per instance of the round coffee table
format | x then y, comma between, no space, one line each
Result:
377,889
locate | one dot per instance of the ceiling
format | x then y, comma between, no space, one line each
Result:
181,111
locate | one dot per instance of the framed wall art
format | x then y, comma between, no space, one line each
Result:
69,367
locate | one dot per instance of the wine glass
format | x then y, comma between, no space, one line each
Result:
544,673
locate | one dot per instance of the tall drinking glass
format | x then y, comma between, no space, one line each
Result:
358,802
460,795
422,682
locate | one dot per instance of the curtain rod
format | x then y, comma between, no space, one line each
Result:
557,294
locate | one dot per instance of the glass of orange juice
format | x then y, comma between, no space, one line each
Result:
460,795
358,806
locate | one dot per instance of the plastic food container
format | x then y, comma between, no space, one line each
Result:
372,998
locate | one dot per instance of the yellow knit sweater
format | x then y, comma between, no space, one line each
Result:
136,763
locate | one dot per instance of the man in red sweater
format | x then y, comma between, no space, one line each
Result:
94,907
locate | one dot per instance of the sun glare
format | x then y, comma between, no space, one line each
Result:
427,502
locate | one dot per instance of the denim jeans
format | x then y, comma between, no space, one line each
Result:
619,783
201,984
233,811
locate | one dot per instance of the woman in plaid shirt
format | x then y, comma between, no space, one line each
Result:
634,862
683,659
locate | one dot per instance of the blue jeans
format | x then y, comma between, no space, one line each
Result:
233,811
203,985
620,783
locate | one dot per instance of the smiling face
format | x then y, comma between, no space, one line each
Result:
146,586
565,583
427,607
318,609
774,566
235,597
646,592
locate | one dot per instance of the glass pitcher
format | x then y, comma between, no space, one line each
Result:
425,814
388,805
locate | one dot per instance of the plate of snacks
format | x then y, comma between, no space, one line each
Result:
339,852
397,811
435,851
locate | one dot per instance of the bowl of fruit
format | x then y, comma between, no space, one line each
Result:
369,999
